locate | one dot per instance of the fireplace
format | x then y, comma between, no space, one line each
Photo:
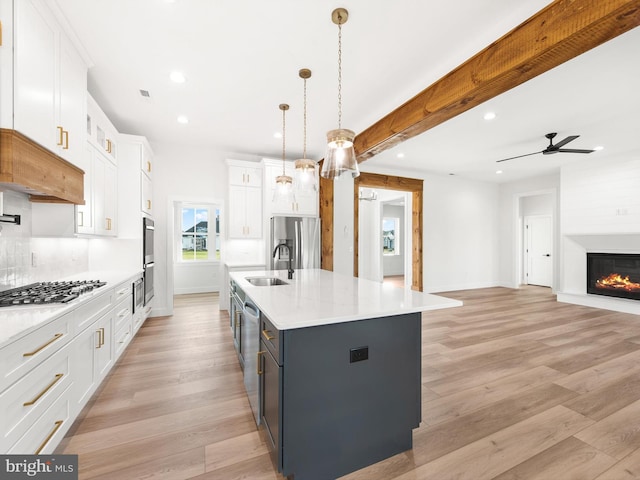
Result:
614,275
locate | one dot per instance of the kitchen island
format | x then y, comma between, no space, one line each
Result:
339,365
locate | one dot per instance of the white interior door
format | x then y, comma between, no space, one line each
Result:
538,250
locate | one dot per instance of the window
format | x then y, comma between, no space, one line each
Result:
199,242
390,236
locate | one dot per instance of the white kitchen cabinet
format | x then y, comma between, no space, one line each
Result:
84,213
100,130
105,195
245,175
305,203
136,186
146,197
245,200
49,81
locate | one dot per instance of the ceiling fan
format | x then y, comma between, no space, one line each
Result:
557,148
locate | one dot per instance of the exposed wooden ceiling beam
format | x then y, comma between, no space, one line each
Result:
559,32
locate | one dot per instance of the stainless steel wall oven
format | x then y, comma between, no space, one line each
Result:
148,231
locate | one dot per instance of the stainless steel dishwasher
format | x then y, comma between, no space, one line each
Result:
250,346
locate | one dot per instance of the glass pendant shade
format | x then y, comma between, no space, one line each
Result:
284,189
305,174
340,156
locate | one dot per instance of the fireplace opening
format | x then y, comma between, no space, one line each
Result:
614,275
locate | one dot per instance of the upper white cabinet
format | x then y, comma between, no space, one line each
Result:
245,199
100,130
49,80
305,202
135,160
105,195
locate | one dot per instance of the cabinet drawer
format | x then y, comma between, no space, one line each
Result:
271,337
123,337
30,397
123,312
47,432
17,358
123,290
90,312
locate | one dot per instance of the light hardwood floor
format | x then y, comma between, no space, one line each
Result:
515,386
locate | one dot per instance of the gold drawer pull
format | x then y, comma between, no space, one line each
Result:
267,334
148,204
100,333
148,166
46,389
258,370
60,138
58,424
66,140
31,354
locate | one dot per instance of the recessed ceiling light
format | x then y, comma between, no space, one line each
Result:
498,172
489,115
599,147
401,155
177,77
183,119
277,135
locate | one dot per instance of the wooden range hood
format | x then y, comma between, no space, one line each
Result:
27,167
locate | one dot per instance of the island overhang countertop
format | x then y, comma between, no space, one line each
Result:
319,297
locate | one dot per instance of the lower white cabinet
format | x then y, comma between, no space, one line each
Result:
92,358
49,375
27,399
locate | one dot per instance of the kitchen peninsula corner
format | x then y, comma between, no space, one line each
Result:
339,361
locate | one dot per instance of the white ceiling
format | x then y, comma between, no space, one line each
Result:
241,59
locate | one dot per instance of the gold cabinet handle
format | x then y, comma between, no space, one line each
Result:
108,223
125,336
123,313
46,389
42,347
66,140
148,166
148,204
57,424
60,135
100,333
259,371
108,146
267,335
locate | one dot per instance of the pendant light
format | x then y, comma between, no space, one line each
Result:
305,169
340,156
284,183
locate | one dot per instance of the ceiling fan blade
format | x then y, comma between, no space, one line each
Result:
574,150
562,143
519,156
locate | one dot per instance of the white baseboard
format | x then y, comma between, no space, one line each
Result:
597,301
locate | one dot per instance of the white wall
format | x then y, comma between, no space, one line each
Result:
343,225
190,174
513,196
25,259
600,208
460,232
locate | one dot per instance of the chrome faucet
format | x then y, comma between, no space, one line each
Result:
290,270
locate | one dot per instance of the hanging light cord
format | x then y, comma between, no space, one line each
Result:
340,72
283,139
304,116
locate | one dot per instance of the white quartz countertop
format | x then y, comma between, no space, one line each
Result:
318,297
15,322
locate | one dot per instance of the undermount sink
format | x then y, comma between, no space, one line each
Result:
265,281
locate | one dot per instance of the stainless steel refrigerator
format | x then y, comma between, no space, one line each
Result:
301,235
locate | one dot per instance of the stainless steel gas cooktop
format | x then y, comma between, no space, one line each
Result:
44,293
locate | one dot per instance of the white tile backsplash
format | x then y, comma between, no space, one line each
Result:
25,259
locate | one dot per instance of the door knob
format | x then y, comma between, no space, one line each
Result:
547,255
